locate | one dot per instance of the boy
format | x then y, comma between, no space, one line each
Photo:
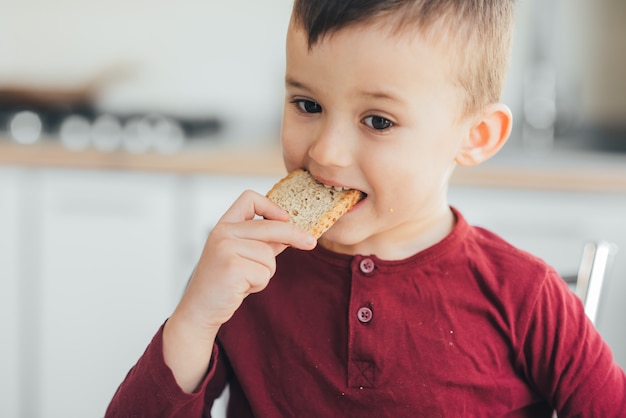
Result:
401,309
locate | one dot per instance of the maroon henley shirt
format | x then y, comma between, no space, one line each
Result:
469,327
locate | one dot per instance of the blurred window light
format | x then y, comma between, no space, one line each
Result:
25,127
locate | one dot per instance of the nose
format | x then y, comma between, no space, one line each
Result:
332,147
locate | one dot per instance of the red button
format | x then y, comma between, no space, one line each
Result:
367,265
364,314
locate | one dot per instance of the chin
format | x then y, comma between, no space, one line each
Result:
342,239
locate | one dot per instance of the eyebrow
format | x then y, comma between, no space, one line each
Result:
381,95
373,94
292,82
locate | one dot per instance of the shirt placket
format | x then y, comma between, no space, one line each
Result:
362,366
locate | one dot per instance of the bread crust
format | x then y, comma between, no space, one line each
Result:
311,205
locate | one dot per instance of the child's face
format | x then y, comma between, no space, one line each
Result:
377,112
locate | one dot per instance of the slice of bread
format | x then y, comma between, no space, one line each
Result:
312,206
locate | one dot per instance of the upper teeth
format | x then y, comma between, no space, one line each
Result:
337,188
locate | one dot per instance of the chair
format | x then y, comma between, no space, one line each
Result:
587,284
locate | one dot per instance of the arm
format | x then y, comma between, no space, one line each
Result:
150,388
566,358
238,259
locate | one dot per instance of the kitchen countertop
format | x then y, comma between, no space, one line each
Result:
213,159
563,170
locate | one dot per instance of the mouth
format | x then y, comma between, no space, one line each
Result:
344,189
340,188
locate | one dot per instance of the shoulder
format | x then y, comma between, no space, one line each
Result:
491,253
508,275
489,250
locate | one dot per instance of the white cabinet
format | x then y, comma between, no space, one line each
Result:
97,275
9,293
107,280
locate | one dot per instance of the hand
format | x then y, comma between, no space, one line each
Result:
239,258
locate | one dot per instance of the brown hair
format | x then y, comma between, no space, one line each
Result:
479,31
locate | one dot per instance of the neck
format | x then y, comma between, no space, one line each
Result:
404,241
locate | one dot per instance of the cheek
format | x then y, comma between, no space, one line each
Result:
405,189
293,144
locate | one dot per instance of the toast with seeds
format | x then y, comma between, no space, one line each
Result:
312,205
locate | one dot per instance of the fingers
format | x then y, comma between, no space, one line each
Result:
274,229
262,266
275,232
250,204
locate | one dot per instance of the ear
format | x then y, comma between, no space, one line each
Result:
486,136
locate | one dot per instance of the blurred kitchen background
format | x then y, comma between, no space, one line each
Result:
127,128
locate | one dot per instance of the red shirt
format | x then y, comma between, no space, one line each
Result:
469,327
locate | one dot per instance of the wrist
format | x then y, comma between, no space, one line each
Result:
187,352
182,327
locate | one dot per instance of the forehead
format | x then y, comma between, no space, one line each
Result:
370,49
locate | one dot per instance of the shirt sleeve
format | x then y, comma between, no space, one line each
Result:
566,358
150,389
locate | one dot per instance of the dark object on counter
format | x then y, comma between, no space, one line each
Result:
46,112
607,138
600,138
51,105
54,106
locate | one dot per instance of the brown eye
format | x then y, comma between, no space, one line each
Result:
378,122
308,106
